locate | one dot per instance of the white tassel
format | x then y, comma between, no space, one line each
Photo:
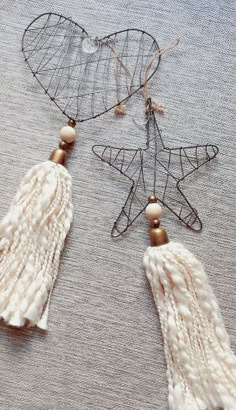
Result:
201,367
31,239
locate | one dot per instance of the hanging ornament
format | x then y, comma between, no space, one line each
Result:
70,66
201,367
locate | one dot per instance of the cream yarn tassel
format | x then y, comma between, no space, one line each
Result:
31,239
201,367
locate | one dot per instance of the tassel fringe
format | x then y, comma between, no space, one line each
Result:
31,239
201,367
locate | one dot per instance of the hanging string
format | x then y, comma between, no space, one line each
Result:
120,109
157,54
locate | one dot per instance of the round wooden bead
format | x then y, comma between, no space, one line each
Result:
153,211
120,109
67,134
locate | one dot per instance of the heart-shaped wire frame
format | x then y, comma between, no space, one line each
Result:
87,77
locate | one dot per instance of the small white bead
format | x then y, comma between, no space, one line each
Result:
67,134
153,211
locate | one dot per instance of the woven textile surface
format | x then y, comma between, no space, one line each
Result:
103,349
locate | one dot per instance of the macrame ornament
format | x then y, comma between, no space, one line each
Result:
84,78
201,367
32,237
71,67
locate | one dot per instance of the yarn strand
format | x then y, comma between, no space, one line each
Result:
31,239
201,367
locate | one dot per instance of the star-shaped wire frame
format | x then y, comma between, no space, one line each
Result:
156,170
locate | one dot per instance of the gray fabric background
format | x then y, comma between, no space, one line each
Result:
104,348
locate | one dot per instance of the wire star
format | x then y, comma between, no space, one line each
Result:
157,170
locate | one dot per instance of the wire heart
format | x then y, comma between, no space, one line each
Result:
87,77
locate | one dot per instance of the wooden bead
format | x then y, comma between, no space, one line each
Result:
68,134
120,109
153,211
